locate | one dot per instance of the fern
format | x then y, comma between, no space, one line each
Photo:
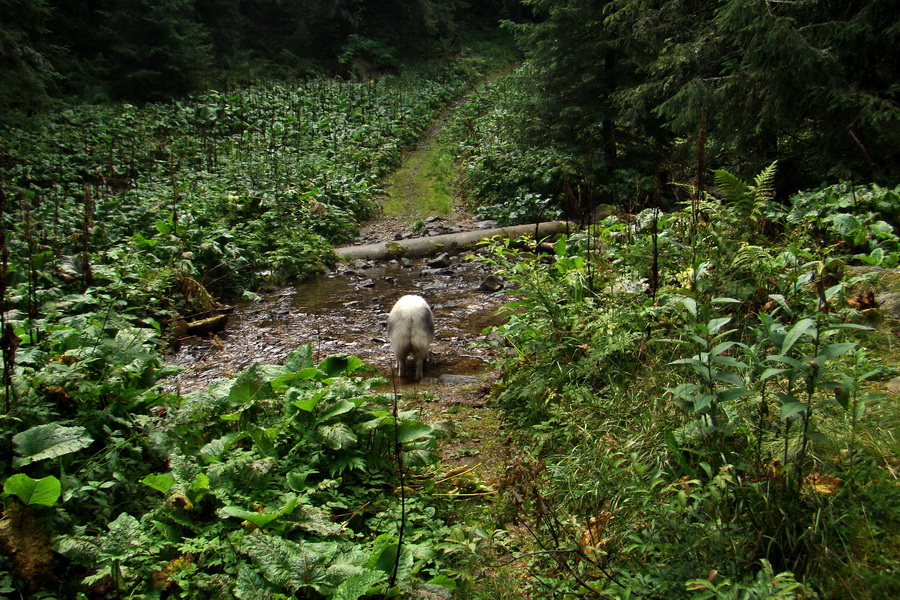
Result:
749,200
750,258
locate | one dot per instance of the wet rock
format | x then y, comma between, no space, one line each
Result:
889,304
488,224
458,379
441,262
366,283
491,284
436,272
893,385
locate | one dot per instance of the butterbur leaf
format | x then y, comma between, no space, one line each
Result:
260,519
251,386
409,431
49,441
357,585
124,538
385,555
338,408
337,436
340,364
43,491
161,483
216,449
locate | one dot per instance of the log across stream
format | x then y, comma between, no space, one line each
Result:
345,311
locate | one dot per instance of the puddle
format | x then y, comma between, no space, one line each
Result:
346,312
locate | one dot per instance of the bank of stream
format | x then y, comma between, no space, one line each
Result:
345,311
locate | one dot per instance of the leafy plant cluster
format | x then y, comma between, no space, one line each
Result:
116,220
282,481
699,390
503,179
223,188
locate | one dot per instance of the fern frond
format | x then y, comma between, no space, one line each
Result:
733,190
764,184
749,258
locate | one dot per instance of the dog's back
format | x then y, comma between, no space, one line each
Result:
411,330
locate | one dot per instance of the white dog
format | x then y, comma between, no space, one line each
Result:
410,327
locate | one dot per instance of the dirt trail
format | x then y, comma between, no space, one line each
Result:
346,310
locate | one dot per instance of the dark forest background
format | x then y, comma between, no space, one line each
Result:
628,94
140,50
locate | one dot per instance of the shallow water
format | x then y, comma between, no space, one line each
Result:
346,312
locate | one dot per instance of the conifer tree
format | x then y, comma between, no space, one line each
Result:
157,49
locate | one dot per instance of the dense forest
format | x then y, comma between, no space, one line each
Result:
699,381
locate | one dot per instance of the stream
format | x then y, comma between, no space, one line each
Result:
346,312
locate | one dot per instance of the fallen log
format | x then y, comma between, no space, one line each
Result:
452,243
210,325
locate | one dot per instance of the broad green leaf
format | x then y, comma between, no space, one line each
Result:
720,348
305,400
786,360
834,350
730,378
443,581
124,538
161,482
199,488
263,440
337,435
800,327
690,304
733,394
260,519
358,585
702,402
716,324
337,408
385,555
340,364
300,359
297,379
729,361
251,385
214,450
791,409
49,441
771,372
43,491
412,430
684,390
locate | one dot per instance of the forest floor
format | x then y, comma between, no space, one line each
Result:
478,453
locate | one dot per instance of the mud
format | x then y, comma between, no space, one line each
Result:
346,312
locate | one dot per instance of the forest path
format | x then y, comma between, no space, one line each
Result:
420,201
345,311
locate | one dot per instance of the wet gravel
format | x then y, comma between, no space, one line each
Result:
346,312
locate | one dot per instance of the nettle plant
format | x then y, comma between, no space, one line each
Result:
791,368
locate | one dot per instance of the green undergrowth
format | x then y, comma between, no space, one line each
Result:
423,185
119,221
700,404
292,480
